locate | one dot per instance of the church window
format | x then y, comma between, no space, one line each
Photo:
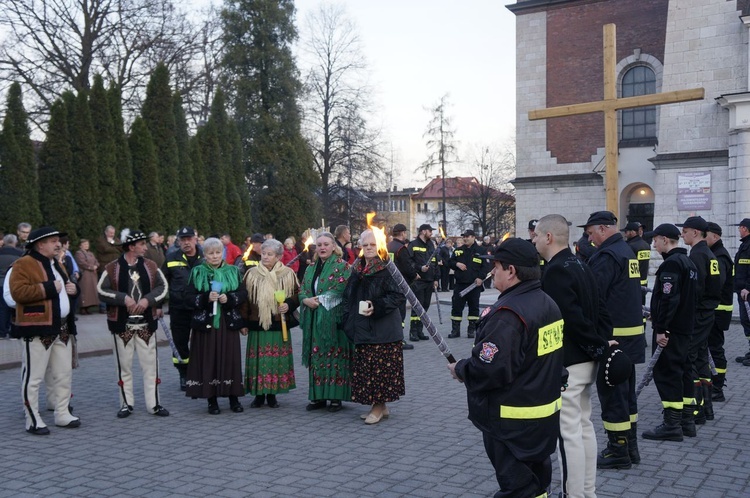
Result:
640,122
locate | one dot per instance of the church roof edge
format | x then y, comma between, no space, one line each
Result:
522,6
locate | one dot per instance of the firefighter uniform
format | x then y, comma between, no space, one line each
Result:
642,251
513,381
176,269
618,275
476,268
672,313
707,298
399,254
422,254
742,282
722,316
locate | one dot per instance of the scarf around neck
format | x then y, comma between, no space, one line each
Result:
203,274
262,283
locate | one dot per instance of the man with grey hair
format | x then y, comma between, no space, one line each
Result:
154,249
23,231
8,254
587,330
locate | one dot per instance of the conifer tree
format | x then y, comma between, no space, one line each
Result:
234,222
89,219
215,186
101,120
240,182
146,176
260,78
56,168
127,204
200,194
185,165
19,182
158,115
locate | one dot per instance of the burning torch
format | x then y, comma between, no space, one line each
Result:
307,245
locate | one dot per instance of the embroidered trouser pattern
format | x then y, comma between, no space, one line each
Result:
126,345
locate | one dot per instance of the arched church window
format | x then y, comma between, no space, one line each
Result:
640,122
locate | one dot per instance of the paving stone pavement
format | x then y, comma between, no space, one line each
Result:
427,448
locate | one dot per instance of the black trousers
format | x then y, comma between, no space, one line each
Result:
444,278
517,479
179,321
698,351
744,317
458,303
423,290
619,403
669,369
716,340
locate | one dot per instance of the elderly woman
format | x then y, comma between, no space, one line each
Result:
372,320
326,351
215,368
88,265
269,364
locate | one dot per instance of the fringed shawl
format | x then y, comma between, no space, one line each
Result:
261,284
202,276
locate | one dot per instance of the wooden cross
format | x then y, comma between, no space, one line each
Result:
609,106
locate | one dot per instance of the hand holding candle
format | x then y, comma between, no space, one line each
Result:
216,287
280,297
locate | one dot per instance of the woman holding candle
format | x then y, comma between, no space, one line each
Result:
215,368
372,320
326,350
272,296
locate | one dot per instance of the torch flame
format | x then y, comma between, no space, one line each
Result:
442,232
247,253
505,237
380,238
308,242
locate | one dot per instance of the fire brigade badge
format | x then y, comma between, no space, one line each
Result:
666,288
489,350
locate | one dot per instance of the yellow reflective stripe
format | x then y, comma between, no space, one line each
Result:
725,307
415,319
675,405
644,282
471,317
634,269
617,426
456,318
743,261
627,331
541,262
171,264
550,338
643,255
419,249
477,260
180,362
250,262
458,252
715,267
688,401
525,412
633,418
543,495
390,256
721,370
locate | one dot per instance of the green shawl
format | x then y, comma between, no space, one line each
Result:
203,274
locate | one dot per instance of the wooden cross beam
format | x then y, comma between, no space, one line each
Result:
609,106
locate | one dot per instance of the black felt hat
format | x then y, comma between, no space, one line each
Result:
42,233
617,367
134,237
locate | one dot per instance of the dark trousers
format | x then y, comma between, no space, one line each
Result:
445,283
179,321
517,479
716,340
744,317
423,290
668,371
619,403
5,313
698,351
458,303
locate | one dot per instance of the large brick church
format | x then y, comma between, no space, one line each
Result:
674,160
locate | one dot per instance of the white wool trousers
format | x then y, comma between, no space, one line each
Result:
576,449
149,368
54,367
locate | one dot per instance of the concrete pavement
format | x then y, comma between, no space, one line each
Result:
426,448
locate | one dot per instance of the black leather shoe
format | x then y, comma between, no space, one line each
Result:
72,425
406,345
125,411
234,405
258,401
160,411
38,431
271,401
335,406
214,409
315,405
422,337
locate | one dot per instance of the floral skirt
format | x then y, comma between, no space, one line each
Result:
378,373
330,370
269,364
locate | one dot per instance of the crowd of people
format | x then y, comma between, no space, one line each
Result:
564,322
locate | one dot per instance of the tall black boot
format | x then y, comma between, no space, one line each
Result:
420,332
413,336
615,455
670,429
635,456
708,406
687,421
700,415
717,393
455,329
472,328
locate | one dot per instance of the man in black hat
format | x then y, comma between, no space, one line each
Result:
177,270
723,314
39,289
399,254
742,281
708,297
248,260
133,287
469,268
672,310
618,276
421,252
587,332
641,249
514,374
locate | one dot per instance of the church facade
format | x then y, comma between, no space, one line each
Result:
674,161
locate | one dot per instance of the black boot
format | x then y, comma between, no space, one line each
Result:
615,455
708,406
183,380
741,359
635,456
455,329
472,329
213,406
413,337
687,421
235,405
717,393
420,332
670,429
258,401
699,414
